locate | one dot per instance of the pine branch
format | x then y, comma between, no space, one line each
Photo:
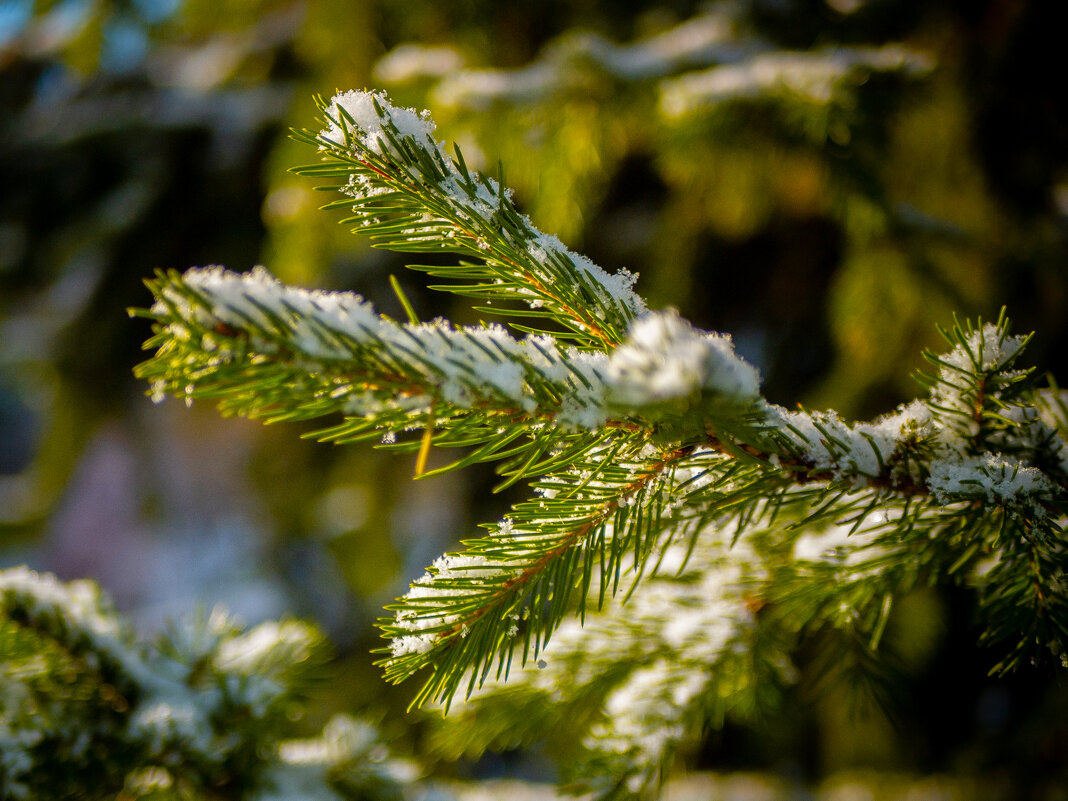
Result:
1022,591
644,435
639,679
509,591
829,470
87,711
408,195
277,353
694,641
803,89
282,354
686,636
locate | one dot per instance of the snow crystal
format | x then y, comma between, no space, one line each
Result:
411,644
432,585
257,298
826,442
617,286
986,350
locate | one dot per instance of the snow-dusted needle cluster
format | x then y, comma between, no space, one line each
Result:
367,364
95,702
394,158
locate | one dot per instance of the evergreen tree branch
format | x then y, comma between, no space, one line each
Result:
666,396
509,591
278,353
636,680
833,472
408,194
87,711
645,437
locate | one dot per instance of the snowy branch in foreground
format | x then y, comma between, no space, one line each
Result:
330,352
668,401
644,438
282,353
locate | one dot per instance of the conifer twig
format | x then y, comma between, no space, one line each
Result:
645,440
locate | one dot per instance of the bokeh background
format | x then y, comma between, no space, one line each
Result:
854,173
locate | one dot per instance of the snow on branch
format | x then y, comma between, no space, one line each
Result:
647,664
815,78
709,37
508,592
84,704
375,360
644,438
282,353
408,194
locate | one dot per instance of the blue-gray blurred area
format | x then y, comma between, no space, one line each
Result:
829,234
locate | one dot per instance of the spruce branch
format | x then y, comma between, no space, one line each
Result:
645,438
509,591
601,429
638,679
278,353
823,470
88,711
407,194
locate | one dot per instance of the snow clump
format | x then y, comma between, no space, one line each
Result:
665,358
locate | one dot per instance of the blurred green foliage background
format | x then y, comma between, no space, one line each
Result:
827,220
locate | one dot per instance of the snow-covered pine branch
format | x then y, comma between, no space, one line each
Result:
279,353
703,638
640,432
88,711
651,668
409,195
